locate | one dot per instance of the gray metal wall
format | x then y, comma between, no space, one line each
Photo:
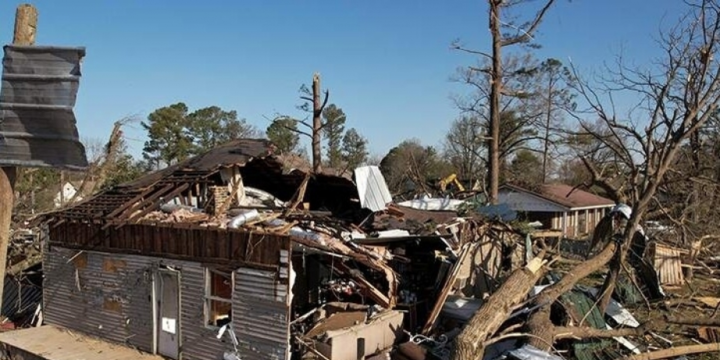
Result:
262,329
109,295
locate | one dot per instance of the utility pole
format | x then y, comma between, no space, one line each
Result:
25,30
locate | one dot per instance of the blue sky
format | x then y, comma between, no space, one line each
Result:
386,63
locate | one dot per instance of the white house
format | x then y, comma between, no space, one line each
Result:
66,194
575,212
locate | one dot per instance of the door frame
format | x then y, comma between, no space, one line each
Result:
157,327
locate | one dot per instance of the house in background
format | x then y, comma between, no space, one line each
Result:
574,212
66,194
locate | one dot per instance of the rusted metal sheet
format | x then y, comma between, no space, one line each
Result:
263,328
115,302
190,244
668,264
37,124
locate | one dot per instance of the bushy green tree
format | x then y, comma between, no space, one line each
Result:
333,129
354,149
168,139
283,132
174,134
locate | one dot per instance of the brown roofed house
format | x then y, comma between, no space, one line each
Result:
575,212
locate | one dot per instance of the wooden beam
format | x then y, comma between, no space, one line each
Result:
127,213
155,204
372,291
449,283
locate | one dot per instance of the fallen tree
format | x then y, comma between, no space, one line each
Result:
470,343
677,351
678,100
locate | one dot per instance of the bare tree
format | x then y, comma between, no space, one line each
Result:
553,98
677,97
318,107
468,138
464,147
315,105
518,34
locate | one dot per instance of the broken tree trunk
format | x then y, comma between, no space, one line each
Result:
25,29
540,327
608,287
317,124
677,351
693,321
469,345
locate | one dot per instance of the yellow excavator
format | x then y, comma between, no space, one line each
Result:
451,179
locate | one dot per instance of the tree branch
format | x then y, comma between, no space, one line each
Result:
677,351
527,34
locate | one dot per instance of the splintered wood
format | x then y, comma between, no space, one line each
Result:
668,264
470,344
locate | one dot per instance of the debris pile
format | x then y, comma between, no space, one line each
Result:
374,279
22,293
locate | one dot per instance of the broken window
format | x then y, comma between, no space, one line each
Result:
218,297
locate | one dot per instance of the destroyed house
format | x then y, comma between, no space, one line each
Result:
572,211
167,287
232,252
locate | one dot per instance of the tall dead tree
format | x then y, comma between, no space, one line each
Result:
318,105
315,104
520,34
25,30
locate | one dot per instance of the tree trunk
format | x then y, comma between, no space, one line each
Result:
495,89
539,323
694,321
317,124
25,25
677,351
611,279
489,318
25,29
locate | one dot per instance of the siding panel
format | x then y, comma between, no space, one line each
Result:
263,329
110,296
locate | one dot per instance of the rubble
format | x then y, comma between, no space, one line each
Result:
375,279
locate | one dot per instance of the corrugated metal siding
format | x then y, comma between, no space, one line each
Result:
19,297
100,298
198,341
115,300
263,327
37,123
372,188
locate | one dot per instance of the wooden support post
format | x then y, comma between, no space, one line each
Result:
25,29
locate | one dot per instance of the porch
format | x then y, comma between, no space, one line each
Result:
54,343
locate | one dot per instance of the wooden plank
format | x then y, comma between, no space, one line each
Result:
155,204
445,292
371,291
130,203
